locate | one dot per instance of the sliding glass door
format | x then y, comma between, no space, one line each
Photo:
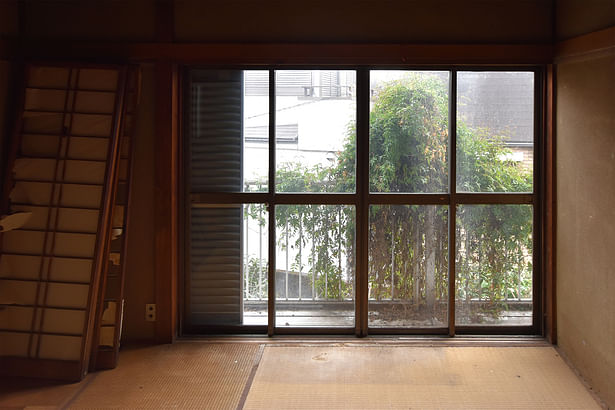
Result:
360,201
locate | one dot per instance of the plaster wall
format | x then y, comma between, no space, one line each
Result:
586,218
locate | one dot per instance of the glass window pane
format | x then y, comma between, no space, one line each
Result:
255,263
227,281
315,265
408,266
315,130
495,131
494,265
408,131
229,131
256,131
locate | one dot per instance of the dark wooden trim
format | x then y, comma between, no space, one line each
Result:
103,238
550,205
199,330
362,199
69,371
408,199
375,340
285,54
103,357
183,208
362,211
538,208
494,330
314,330
228,198
452,211
585,44
271,244
166,180
316,198
493,198
399,331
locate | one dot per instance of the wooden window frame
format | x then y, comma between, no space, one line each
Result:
361,199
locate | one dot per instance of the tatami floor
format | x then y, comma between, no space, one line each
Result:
287,373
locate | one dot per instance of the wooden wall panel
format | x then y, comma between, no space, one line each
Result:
90,20
346,21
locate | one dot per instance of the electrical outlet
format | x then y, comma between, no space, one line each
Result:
150,312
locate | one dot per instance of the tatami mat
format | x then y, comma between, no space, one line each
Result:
181,376
318,375
372,377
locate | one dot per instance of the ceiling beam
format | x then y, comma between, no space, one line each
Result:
287,54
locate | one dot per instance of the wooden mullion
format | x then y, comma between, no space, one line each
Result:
550,208
362,211
271,242
408,199
494,198
317,198
452,208
538,211
229,198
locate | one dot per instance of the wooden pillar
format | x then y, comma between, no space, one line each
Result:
165,202
166,181
550,310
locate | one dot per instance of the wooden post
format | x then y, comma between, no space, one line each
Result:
165,202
